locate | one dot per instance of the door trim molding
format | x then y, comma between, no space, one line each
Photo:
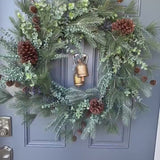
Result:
139,3
157,147
113,144
28,142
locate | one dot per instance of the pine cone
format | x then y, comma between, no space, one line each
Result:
36,19
124,26
0,77
27,52
17,84
33,9
37,27
96,107
9,83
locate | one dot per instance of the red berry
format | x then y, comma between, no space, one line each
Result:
33,9
153,82
144,78
25,89
79,131
119,1
137,70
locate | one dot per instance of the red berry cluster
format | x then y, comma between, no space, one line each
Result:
144,78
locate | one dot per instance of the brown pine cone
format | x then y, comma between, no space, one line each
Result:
33,9
137,70
37,27
36,19
123,26
9,83
96,107
144,78
17,84
0,77
153,82
27,52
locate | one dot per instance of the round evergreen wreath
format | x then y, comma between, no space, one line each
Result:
45,31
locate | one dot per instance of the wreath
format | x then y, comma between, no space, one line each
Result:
46,31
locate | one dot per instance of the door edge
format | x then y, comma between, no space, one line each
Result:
157,147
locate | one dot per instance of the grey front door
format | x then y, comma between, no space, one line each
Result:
136,142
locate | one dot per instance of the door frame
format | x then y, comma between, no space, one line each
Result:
157,147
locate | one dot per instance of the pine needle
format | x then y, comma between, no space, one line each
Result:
4,96
131,8
153,28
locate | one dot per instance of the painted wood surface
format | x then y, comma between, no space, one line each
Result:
136,142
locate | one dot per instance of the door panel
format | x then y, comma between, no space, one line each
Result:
136,142
36,135
111,141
